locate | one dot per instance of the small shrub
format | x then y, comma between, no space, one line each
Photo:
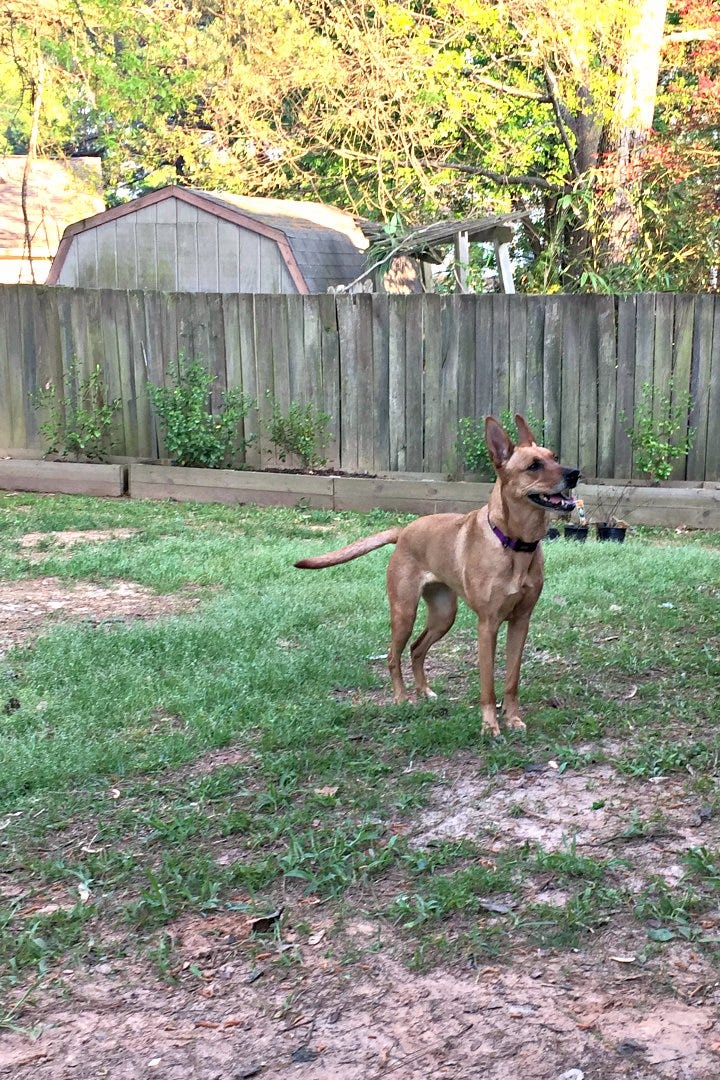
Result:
654,434
80,418
471,448
301,431
194,435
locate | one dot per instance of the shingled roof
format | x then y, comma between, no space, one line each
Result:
328,244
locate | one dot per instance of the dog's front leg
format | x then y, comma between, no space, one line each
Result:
516,636
487,644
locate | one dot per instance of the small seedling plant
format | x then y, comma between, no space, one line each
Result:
194,434
655,436
302,432
79,417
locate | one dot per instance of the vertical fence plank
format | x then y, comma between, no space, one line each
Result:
483,356
264,314
517,355
573,342
350,364
607,375
700,382
48,357
466,370
501,354
588,387
534,391
414,383
624,384
10,385
145,347
397,400
330,371
682,370
362,304
432,375
243,306
381,383
712,446
552,371
449,370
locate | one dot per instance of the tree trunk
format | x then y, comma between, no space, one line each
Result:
633,121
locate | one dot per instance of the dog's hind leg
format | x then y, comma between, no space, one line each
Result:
441,611
404,588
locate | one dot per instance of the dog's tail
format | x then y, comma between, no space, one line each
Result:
352,551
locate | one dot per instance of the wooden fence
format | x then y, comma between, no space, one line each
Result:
394,372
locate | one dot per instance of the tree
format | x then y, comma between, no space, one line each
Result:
422,109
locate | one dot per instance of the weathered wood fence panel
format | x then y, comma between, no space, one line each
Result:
395,373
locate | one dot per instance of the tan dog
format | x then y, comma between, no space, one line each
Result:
490,557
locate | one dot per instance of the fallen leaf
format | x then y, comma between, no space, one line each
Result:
114,793
326,792
265,923
630,694
316,938
624,959
84,892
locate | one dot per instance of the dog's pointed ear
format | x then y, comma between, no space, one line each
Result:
498,442
525,435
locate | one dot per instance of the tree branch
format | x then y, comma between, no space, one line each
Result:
512,91
521,180
705,34
551,83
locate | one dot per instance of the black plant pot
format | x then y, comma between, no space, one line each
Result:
552,533
615,533
576,532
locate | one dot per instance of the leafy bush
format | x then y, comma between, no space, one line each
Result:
471,448
302,431
657,421
194,435
79,419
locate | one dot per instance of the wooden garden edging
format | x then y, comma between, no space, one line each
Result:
63,477
672,505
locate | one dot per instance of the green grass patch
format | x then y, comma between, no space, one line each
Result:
113,812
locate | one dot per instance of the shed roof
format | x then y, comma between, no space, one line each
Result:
322,246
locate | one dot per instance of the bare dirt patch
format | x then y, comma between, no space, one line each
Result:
29,607
596,811
238,1012
34,545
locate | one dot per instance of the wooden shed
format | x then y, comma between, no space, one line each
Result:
179,240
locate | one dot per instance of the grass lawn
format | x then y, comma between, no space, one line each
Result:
233,751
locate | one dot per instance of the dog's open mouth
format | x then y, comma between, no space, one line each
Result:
561,502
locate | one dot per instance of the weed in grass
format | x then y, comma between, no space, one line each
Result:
173,886
584,912
704,862
569,864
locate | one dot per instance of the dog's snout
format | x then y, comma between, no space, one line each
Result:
571,477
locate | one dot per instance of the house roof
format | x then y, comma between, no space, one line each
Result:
322,246
59,191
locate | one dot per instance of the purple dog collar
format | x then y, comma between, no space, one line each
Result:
514,545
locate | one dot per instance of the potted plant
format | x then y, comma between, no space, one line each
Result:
608,526
577,530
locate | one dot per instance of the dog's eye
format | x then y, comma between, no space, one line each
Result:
537,464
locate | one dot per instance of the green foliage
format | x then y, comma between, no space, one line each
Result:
194,434
658,421
79,420
302,431
471,447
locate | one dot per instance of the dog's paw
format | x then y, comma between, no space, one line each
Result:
514,723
